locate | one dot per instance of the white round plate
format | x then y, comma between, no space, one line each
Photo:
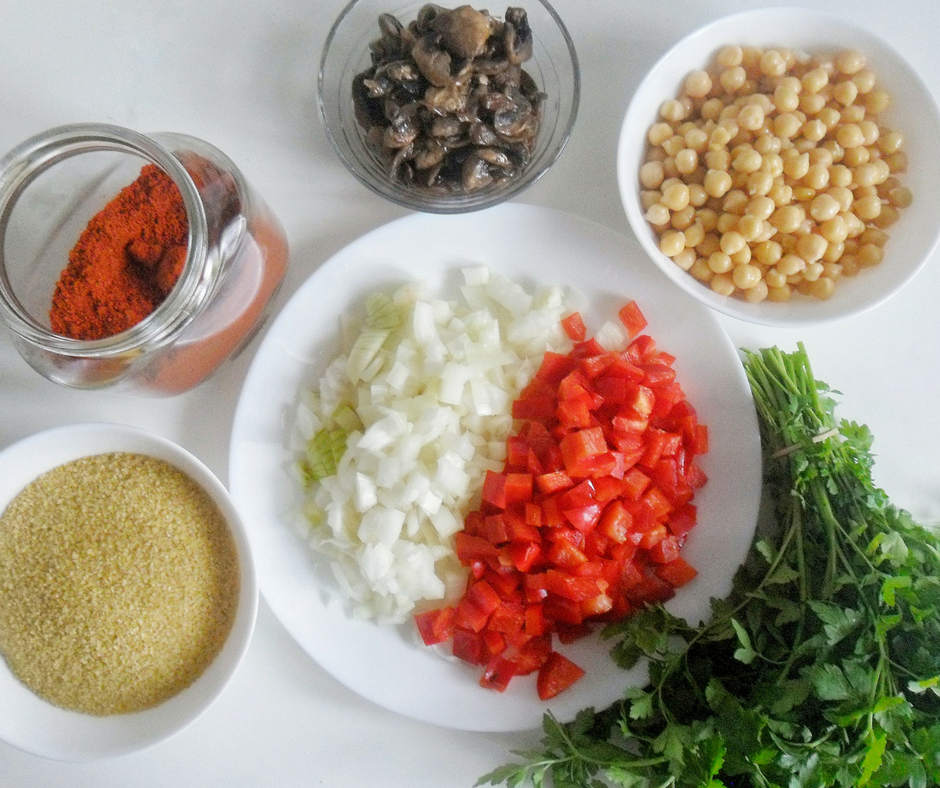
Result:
532,245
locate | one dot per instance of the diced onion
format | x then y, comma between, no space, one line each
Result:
422,401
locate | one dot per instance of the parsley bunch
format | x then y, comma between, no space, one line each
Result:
823,666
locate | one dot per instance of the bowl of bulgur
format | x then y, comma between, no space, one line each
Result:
779,165
128,595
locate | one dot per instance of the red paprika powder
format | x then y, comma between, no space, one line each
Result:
125,262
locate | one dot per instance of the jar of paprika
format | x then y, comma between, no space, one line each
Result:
133,261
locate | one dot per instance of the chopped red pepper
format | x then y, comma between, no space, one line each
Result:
586,521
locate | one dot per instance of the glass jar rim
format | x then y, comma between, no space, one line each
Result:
37,154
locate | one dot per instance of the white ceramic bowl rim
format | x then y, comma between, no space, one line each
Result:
914,238
36,726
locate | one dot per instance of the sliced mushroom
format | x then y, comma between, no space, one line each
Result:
464,31
432,61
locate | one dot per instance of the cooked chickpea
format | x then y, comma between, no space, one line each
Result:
694,235
733,78
850,135
877,101
747,161
770,174
686,161
751,117
685,259
850,61
790,264
722,284
811,247
698,84
768,253
817,177
671,242
867,208
729,56
676,196
716,183
651,174
746,276
824,207
659,133
788,218
900,197
870,254
845,92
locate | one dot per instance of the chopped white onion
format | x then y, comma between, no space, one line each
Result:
432,383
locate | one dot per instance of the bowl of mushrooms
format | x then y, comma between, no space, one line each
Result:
778,165
448,110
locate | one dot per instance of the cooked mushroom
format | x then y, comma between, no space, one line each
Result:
446,103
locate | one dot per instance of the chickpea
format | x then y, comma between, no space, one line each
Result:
756,294
900,197
701,271
811,247
683,219
651,175
686,161
768,253
747,161
845,93
790,264
717,183
720,262
730,56
694,235
788,218
834,230
698,84
868,208
770,174
671,242
869,255
685,259
676,196
746,276
817,177
751,117
850,135
824,207
815,80
732,79
659,133
779,294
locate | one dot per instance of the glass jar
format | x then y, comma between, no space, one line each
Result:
52,185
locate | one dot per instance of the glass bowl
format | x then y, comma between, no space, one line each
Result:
35,725
913,112
347,53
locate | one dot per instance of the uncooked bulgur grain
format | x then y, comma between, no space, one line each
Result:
118,583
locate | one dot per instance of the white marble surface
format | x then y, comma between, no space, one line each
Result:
242,75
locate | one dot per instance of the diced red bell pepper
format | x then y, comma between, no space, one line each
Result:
436,626
632,318
557,674
677,572
574,327
498,673
587,518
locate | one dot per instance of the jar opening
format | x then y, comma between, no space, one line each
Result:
54,192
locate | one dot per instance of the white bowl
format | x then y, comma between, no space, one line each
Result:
37,726
914,112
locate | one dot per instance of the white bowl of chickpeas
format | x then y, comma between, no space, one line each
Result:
778,165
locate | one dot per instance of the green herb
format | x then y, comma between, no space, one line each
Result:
823,666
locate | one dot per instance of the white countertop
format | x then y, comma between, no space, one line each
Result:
242,75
